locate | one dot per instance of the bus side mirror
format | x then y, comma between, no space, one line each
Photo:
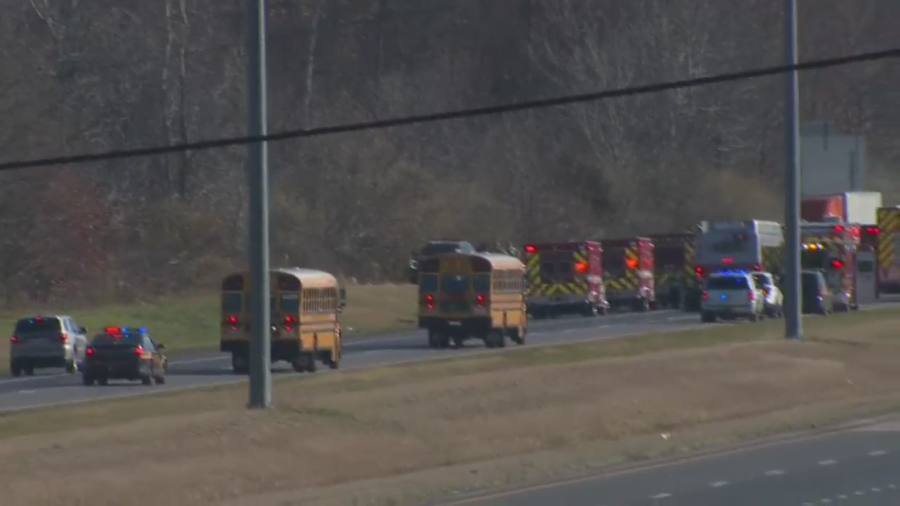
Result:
343,297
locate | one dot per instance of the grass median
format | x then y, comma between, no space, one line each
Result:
192,323
394,434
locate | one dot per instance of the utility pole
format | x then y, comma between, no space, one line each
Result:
258,179
793,321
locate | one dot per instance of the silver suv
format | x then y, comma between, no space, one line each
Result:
730,295
46,341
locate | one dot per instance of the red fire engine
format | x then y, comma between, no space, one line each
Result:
565,278
628,272
831,248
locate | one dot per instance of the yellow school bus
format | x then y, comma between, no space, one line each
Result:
304,304
472,296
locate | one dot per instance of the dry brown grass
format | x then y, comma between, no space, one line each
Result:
331,436
375,308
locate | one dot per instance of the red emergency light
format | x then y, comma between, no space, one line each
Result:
837,264
529,248
838,228
873,230
631,263
727,261
581,267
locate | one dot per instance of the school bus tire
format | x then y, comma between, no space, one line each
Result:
304,362
438,339
495,339
239,363
334,358
518,335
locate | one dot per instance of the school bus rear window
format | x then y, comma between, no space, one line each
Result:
455,283
232,303
290,303
428,283
482,283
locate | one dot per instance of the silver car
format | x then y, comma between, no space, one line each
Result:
46,341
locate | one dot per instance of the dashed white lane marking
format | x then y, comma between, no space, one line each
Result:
826,501
829,462
876,489
842,497
877,453
27,391
717,484
661,496
859,492
774,472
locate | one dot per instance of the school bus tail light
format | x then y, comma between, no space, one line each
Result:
480,299
232,320
429,301
581,267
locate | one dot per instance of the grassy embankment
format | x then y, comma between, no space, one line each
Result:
193,323
394,434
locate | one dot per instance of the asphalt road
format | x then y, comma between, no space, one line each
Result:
857,467
52,388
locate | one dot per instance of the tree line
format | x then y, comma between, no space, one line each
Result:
86,76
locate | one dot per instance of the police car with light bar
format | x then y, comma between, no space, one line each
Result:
729,295
127,353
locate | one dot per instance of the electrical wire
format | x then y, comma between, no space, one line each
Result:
451,115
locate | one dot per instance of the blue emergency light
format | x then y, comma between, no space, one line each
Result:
728,273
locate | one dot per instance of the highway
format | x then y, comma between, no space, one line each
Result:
53,388
856,467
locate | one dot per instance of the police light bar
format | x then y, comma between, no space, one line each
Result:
727,272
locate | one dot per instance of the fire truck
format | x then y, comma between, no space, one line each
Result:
628,272
564,277
749,245
832,248
673,262
889,249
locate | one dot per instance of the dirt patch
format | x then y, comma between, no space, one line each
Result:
352,428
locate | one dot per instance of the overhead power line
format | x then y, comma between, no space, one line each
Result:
457,114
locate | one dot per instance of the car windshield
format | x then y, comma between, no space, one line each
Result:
27,325
727,283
